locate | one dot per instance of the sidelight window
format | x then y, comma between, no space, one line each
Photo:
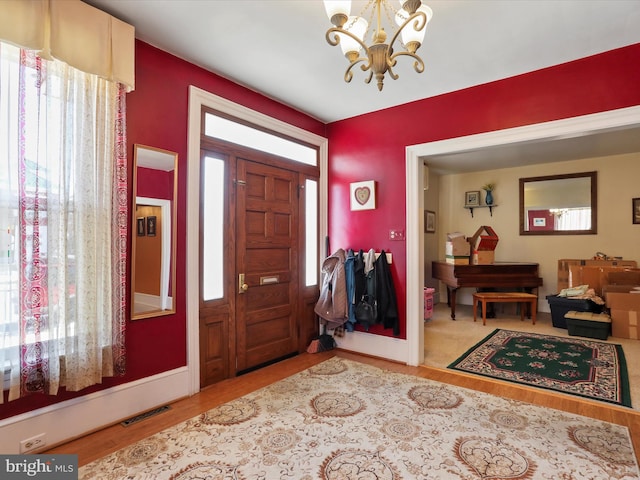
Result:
213,206
311,232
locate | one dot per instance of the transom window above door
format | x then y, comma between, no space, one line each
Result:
241,134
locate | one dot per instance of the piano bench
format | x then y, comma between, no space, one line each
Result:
505,297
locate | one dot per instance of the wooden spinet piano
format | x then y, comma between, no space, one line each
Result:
497,275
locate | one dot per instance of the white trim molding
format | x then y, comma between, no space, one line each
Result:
390,348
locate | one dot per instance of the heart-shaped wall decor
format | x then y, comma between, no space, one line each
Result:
362,195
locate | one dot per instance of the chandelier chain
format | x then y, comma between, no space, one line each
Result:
388,7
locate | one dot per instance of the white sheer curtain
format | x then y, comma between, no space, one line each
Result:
574,219
63,207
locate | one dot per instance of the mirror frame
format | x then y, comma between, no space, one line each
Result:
594,204
172,235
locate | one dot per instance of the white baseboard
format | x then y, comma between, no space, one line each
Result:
391,348
73,418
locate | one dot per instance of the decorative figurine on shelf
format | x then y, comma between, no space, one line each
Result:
489,196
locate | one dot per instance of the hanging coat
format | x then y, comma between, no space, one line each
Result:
350,276
360,277
386,295
332,305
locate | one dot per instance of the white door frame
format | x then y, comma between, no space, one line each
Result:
199,98
415,156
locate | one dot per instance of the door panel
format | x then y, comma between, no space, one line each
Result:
214,354
267,255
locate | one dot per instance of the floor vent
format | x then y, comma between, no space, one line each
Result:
145,415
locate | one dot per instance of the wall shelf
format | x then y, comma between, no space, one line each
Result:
490,207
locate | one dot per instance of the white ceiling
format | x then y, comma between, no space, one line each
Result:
278,47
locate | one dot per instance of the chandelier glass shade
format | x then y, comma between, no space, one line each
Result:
380,57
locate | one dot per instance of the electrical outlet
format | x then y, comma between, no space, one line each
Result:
34,443
396,234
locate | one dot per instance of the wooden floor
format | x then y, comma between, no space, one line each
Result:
103,442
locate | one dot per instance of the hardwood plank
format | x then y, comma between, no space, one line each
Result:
105,441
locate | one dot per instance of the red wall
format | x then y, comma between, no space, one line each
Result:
156,183
374,143
372,147
157,116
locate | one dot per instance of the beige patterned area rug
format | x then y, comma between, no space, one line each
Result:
345,420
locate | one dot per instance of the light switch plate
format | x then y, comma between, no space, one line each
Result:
396,234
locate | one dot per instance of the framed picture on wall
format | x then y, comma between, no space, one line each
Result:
429,221
141,226
151,226
363,195
635,205
472,199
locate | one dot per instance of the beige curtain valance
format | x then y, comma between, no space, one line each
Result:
73,32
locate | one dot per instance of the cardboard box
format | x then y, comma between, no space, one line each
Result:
483,257
596,277
456,260
457,245
606,290
625,314
565,264
627,277
483,244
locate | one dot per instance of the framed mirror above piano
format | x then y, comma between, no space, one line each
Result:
559,204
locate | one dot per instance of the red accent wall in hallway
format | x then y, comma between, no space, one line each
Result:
157,115
372,147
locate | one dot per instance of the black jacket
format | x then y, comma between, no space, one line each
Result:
386,295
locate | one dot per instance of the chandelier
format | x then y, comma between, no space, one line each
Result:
379,58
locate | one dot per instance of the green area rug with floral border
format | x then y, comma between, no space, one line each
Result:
574,365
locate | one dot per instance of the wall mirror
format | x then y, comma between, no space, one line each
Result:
559,204
155,180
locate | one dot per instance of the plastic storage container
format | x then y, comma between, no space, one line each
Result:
560,306
588,324
428,302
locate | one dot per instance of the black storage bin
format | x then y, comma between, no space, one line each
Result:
588,324
560,306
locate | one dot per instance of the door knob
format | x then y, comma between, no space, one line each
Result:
242,286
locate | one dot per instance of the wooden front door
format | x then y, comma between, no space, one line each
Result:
266,262
261,308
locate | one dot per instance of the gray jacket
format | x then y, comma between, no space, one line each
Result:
332,306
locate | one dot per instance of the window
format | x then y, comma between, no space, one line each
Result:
311,232
234,132
63,215
213,205
572,218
